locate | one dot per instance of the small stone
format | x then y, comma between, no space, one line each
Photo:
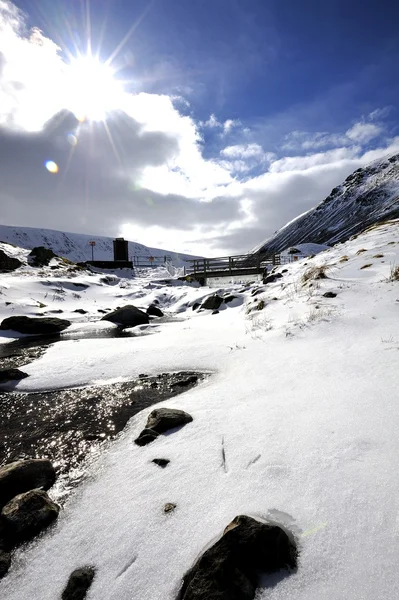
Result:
146,437
169,507
329,295
163,419
82,311
78,584
161,462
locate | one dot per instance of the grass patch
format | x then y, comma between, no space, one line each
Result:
394,274
261,305
366,266
344,259
378,256
314,273
361,251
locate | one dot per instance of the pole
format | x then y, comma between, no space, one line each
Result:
92,253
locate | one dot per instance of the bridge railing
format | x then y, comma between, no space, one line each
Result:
249,262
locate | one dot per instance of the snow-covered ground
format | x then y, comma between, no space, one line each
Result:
302,397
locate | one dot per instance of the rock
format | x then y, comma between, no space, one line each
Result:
272,278
163,419
28,514
82,311
127,316
146,437
212,302
185,382
12,375
40,256
8,263
169,507
154,311
229,569
329,295
5,562
196,305
161,462
33,325
215,312
228,299
24,475
78,584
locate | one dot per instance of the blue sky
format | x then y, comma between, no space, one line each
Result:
274,100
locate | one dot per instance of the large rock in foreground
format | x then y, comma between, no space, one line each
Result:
40,256
78,584
229,570
127,316
8,263
212,302
35,325
28,514
24,475
163,419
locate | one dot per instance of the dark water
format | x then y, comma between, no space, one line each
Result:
68,426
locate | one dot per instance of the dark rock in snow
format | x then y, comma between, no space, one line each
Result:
185,382
127,316
33,325
146,437
329,295
28,514
154,311
163,419
8,263
78,584
212,302
12,375
228,299
82,311
272,278
5,562
229,569
215,312
196,305
24,475
169,507
40,256
161,462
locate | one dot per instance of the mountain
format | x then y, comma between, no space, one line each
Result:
75,246
367,196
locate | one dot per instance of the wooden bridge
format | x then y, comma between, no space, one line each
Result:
202,269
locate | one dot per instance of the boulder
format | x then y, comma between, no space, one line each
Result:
81,311
229,570
196,305
35,325
161,462
272,278
5,562
212,302
154,311
127,316
28,514
146,437
8,263
182,383
40,256
329,295
228,299
78,584
163,419
24,475
12,375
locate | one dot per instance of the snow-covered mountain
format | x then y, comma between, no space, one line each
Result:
75,246
367,196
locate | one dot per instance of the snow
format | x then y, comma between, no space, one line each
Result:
302,394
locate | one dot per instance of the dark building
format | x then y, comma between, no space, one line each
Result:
121,250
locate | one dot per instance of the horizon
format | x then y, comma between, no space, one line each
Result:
200,128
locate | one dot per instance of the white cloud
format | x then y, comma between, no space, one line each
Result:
364,132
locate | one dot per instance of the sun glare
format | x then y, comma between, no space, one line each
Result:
92,89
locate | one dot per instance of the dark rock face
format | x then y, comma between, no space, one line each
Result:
161,462
33,325
212,302
229,569
40,256
78,584
28,514
146,437
154,311
8,263
163,419
5,562
127,316
196,305
228,299
12,375
24,475
329,295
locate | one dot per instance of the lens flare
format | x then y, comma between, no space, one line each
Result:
51,166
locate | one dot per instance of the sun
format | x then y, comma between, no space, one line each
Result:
92,89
